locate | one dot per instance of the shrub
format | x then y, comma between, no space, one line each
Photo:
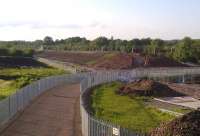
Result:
4,52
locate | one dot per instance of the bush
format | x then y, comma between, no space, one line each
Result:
28,52
16,52
4,52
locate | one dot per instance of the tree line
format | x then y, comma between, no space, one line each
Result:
12,52
185,50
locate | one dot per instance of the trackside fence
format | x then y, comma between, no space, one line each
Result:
91,126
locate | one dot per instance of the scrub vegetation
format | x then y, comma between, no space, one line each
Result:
12,79
18,68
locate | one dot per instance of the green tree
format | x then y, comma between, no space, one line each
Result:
16,52
4,52
48,40
28,52
101,43
184,51
155,48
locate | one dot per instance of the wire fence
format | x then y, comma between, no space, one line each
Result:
91,126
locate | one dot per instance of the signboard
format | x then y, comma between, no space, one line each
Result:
116,131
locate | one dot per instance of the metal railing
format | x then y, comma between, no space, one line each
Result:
21,98
91,126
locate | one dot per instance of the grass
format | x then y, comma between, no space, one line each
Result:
127,112
181,110
109,55
91,62
12,79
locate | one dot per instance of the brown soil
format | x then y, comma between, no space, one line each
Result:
187,125
80,58
129,61
187,89
100,60
162,62
148,88
114,61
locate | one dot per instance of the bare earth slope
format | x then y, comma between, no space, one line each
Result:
188,125
110,60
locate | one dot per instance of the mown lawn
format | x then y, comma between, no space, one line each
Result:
128,112
12,79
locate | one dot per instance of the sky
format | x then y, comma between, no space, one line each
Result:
125,19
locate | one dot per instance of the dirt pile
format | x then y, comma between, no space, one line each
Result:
187,125
114,61
110,60
188,89
129,61
13,62
148,88
80,58
162,62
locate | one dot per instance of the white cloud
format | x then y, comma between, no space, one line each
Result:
38,16
34,19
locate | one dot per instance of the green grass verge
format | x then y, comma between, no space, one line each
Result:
128,112
12,79
181,110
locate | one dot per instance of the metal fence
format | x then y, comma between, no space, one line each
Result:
21,98
90,125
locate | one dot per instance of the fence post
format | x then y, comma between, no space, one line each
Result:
9,109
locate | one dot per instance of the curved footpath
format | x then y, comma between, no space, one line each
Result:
55,113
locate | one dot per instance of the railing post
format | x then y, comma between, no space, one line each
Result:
9,109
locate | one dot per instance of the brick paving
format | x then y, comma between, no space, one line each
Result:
54,113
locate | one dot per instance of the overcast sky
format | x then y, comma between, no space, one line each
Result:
126,19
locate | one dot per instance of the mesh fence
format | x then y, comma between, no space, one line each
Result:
90,125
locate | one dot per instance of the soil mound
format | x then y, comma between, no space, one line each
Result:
129,61
13,62
80,58
148,88
114,61
110,60
162,62
187,89
187,125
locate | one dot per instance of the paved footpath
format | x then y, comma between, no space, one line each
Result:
54,113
